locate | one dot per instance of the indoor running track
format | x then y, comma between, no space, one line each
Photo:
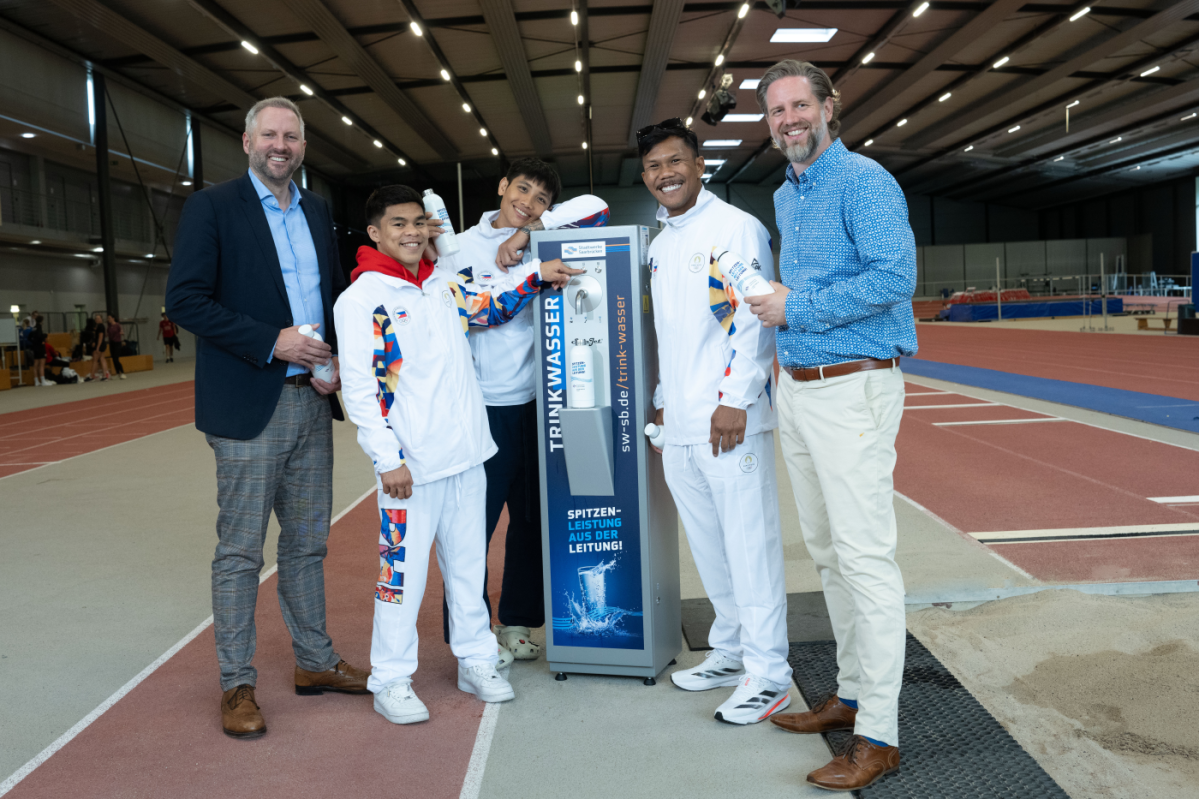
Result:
1065,501
40,436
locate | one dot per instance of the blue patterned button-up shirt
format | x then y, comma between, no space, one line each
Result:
849,257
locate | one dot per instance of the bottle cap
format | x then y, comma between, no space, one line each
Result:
428,192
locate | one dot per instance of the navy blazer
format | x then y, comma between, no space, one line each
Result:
226,287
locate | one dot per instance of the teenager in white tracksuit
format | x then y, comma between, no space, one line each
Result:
712,352
503,358
409,385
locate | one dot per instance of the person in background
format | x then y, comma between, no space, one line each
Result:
99,349
37,343
843,313
116,344
170,337
715,368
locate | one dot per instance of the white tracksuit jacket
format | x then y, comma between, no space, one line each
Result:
712,350
406,373
504,355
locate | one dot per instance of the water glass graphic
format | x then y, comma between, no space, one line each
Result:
591,583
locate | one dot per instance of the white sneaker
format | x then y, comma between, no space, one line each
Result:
398,703
485,682
717,671
755,699
122,375
516,640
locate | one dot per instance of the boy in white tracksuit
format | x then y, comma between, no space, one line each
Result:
503,358
409,386
715,365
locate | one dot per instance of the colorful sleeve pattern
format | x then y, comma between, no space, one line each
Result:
598,219
387,361
392,529
480,309
723,301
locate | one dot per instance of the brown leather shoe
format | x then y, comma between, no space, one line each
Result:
861,763
240,716
343,677
831,714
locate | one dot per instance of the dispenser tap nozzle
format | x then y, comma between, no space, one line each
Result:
580,295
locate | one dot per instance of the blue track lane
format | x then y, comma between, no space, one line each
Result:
1153,408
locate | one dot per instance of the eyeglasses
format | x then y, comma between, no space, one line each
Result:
674,123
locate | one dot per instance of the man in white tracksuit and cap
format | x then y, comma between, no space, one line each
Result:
714,397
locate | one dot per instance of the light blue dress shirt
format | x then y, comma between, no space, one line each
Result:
849,257
297,258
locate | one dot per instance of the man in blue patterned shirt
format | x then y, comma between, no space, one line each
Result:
844,318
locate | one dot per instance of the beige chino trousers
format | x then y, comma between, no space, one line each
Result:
838,440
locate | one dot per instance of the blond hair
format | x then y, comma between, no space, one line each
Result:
817,78
272,102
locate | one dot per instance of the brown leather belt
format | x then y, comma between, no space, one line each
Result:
805,373
298,380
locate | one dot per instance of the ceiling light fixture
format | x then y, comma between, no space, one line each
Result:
149,255
416,29
944,97
578,66
741,118
741,12
1116,140
1001,62
580,99
803,35
901,123
871,141
1135,168
482,131
866,59
28,135
1189,116
703,93
1076,102
720,59
1151,71
185,183
466,107
36,241
714,163
968,149
249,47
402,162
574,17
750,84
923,7
1013,130
494,151
347,120
721,143
445,75
306,90
1059,158
584,145
1080,14
97,249
379,144
689,121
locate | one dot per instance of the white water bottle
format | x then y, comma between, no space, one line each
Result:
447,242
582,377
656,434
322,371
746,279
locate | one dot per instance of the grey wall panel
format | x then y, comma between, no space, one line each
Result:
1024,259
155,133
42,89
1005,223
959,223
1110,248
1066,257
980,264
944,267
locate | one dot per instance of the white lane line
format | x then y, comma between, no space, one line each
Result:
64,739
1175,500
1123,531
473,783
1001,421
990,552
963,405
927,393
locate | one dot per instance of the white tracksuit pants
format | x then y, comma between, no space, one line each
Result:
729,507
450,510
838,440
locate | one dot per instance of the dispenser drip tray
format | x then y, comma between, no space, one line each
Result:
587,443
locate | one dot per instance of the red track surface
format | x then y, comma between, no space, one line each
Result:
1165,365
1051,475
33,438
164,738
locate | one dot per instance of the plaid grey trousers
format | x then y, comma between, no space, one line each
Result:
288,468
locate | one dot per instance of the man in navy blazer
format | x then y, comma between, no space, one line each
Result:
255,259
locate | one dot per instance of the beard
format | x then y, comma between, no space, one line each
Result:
800,153
260,162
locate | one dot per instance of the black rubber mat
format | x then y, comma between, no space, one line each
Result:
950,746
807,620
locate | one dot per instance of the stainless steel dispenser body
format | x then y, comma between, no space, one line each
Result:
609,525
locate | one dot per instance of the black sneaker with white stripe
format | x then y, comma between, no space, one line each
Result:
755,699
717,671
